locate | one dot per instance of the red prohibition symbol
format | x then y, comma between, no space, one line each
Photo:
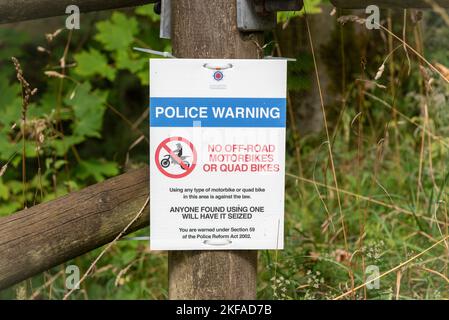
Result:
182,160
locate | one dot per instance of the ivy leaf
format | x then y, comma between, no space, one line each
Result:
88,108
118,32
96,169
92,62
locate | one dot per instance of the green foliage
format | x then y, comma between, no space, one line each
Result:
129,61
72,139
99,170
67,114
91,63
148,11
117,33
392,191
9,102
11,41
298,72
310,7
88,108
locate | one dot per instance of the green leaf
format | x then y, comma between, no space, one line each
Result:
7,147
10,103
11,41
96,169
60,191
48,103
15,186
129,61
59,164
118,32
61,146
9,207
144,76
148,11
88,108
91,63
72,185
310,7
4,191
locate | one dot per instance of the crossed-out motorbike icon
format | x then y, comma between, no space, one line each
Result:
169,160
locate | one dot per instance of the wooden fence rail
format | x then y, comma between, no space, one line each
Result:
21,10
46,235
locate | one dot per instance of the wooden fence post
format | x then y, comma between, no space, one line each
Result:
15,11
208,29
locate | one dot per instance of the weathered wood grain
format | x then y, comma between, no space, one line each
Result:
46,235
21,10
207,29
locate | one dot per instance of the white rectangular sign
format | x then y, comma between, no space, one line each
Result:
217,154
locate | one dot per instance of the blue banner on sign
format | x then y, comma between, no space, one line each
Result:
218,112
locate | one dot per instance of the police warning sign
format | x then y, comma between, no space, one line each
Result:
217,153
